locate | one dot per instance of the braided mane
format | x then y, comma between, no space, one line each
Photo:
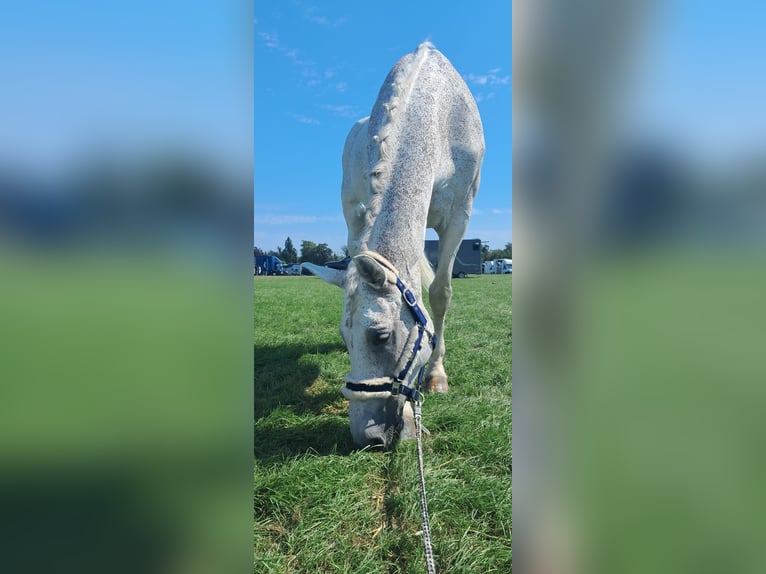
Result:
385,127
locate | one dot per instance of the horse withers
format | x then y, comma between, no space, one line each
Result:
413,163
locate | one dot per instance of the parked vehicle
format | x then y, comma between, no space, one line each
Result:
342,264
294,269
503,266
467,260
269,264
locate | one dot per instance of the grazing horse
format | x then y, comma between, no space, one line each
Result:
413,163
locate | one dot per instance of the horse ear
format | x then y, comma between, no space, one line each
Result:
334,276
371,272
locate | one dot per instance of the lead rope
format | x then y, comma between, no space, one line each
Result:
423,503
416,407
415,398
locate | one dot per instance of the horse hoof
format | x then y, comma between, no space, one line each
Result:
437,384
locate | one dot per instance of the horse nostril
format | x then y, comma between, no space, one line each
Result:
379,337
378,441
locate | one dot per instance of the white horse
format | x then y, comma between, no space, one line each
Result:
413,163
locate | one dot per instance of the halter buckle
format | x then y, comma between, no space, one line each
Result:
412,395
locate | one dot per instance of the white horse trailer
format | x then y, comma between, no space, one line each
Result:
503,266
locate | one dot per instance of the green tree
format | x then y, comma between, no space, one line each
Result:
288,254
308,250
291,251
313,253
324,253
491,254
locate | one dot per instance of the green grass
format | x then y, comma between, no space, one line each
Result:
322,505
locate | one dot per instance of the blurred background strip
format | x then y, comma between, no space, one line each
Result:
125,287
639,146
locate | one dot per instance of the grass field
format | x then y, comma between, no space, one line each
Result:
320,504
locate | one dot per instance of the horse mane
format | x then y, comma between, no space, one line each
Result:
400,81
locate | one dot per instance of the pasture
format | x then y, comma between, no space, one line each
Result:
322,505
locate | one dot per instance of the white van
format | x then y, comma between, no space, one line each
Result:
503,266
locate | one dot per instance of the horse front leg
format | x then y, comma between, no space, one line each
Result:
440,295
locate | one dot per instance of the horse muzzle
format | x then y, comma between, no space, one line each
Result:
381,421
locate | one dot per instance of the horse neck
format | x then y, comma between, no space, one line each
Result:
404,127
398,232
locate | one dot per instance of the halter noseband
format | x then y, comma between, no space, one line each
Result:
399,384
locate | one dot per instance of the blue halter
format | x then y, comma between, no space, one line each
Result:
401,381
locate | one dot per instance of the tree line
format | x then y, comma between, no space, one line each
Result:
321,253
488,254
310,253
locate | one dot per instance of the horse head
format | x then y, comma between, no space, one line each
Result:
389,340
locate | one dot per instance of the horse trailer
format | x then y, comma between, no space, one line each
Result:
503,266
467,260
269,265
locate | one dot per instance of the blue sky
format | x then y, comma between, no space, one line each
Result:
318,69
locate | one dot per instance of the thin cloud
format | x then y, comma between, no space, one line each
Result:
277,219
344,111
311,73
271,40
483,84
493,211
308,68
489,79
311,13
481,97
301,119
